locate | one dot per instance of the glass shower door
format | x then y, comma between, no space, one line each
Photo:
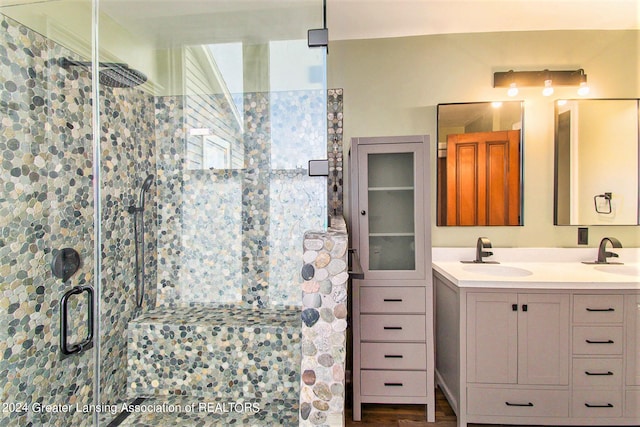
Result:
46,216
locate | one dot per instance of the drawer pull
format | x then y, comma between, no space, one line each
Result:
518,404
393,384
393,356
393,328
392,300
598,373
599,342
601,309
608,405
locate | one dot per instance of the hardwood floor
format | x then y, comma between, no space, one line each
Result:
379,415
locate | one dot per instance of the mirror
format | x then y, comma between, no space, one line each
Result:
480,163
596,162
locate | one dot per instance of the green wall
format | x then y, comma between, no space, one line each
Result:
392,87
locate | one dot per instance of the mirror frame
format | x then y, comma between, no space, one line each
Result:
439,173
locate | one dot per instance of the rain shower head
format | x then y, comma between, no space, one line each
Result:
112,74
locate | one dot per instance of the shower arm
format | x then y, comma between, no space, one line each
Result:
66,62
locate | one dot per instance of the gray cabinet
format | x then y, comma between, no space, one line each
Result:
392,306
538,356
632,381
518,338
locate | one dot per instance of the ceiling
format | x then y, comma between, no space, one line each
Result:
364,19
178,22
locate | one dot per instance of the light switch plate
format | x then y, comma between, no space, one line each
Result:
583,236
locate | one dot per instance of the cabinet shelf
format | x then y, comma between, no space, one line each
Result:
392,234
390,188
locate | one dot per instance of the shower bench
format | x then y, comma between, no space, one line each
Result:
223,352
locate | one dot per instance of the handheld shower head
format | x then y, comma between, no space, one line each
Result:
147,183
145,187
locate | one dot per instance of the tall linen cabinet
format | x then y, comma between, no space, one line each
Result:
393,356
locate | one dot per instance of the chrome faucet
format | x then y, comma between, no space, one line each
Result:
482,244
603,254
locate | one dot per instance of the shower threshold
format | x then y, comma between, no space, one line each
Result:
189,411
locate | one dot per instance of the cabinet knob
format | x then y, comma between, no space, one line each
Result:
363,212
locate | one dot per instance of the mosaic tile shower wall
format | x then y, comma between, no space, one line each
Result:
226,234
47,204
128,156
335,153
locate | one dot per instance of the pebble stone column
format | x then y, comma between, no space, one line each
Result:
324,324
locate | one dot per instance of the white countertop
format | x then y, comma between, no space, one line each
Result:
539,268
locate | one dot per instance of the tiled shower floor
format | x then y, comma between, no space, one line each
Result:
171,411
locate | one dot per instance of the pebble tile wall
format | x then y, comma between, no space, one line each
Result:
324,316
225,235
232,353
335,154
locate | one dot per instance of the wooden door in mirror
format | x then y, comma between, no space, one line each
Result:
483,178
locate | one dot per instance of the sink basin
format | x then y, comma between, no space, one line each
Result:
496,270
626,270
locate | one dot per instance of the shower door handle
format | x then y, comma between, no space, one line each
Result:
74,348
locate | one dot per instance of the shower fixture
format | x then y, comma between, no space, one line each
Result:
112,74
139,238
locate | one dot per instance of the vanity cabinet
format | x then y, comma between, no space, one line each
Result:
520,340
517,338
632,356
392,307
597,342
518,355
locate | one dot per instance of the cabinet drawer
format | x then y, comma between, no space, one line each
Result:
597,340
597,403
385,327
517,402
399,356
598,308
394,383
597,372
392,299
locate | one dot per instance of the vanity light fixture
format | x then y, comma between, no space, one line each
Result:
548,89
583,90
548,79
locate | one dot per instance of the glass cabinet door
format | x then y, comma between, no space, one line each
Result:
391,208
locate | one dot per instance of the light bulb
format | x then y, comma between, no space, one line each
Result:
513,90
548,89
583,90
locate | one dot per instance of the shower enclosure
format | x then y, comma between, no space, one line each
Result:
224,104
